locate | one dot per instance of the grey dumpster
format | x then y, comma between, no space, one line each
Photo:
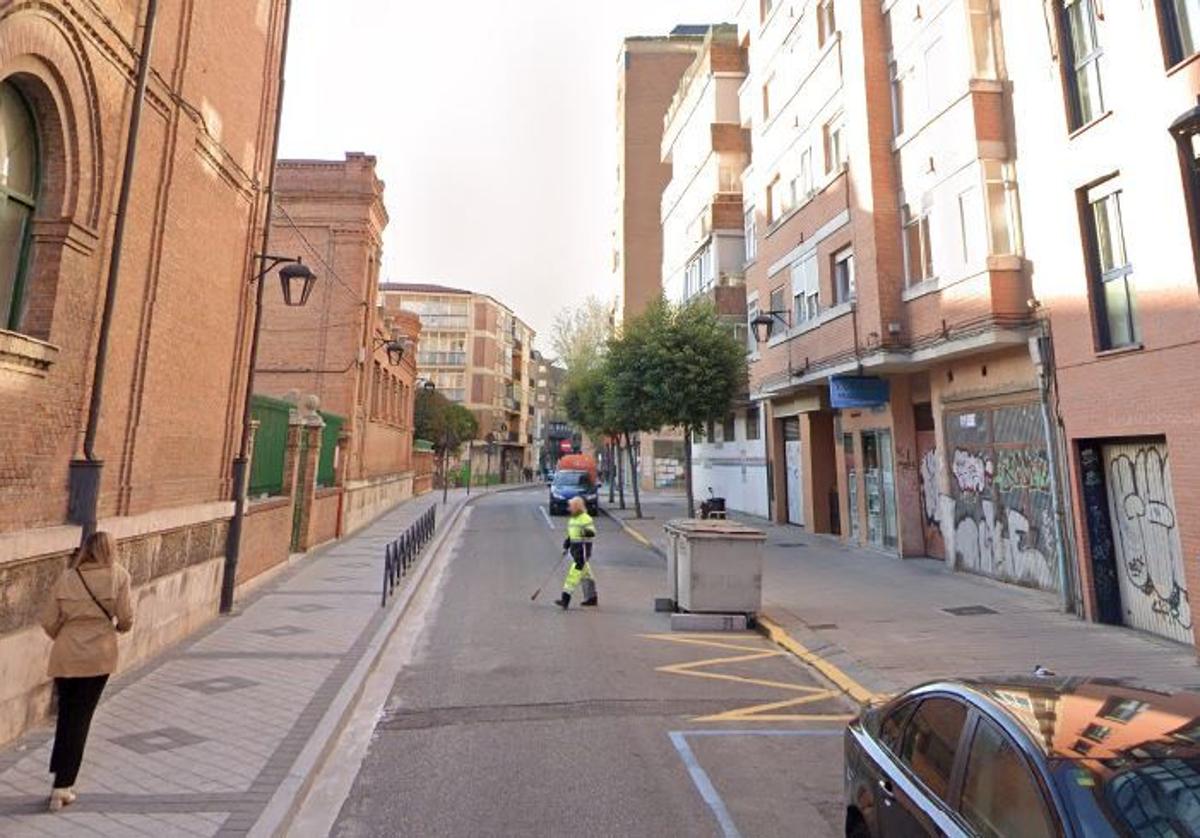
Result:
715,566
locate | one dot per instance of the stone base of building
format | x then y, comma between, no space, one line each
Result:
176,578
366,500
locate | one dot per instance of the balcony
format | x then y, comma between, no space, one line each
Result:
457,395
441,359
444,322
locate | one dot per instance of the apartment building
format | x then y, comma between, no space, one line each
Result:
341,349
704,248
477,353
166,423
1104,103
549,417
888,285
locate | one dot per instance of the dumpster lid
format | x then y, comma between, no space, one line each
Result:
713,528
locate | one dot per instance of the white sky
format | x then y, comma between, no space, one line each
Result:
493,122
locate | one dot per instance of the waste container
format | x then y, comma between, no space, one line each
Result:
715,566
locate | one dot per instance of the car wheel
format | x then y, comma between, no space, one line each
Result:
856,825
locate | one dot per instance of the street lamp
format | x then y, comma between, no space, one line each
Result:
764,323
395,349
297,281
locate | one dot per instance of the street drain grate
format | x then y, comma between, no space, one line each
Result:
970,611
824,626
791,544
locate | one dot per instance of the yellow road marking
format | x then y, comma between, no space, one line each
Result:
843,681
757,712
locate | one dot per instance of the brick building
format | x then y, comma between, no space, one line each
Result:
1104,100
649,74
170,409
331,212
477,353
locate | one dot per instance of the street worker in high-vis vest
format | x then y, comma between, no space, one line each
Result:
581,532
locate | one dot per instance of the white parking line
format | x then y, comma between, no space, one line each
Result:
546,515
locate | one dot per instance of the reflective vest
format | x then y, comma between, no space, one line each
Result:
581,529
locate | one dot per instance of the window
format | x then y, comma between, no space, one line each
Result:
751,338
806,173
774,201
764,9
1181,26
1004,221
1113,291
751,227
931,740
843,276
805,290
893,723
752,424
1000,795
970,225
899,101
1082,64
835,146
730,429
918,251
766,99
777,305
1122,710
940,76
826,23
18,198
1096,733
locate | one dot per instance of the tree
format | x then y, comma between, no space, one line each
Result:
579,334
586,404
633,383
445,424
696,368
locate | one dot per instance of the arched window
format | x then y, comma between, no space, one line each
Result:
18,198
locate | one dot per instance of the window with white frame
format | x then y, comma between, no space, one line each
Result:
835,143
940,76
751,228
1004,220
805,290
826,23
751,313
918,248
1113,296
843,276
774,200
899,100
1181,28
764,9
766,98
778,307
806,173
1083,54
970,225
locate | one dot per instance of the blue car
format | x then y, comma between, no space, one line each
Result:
571,484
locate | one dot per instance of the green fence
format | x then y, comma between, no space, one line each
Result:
270,445
327,467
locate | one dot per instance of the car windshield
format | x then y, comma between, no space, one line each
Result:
1137,797
573,480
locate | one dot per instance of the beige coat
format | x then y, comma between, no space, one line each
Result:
85,641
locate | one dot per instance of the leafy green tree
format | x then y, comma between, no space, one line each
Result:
696,368
585,401
633,386
444,423
579,334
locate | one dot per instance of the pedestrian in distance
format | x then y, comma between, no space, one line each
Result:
581,533
89,605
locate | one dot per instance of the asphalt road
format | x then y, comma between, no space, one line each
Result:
514,718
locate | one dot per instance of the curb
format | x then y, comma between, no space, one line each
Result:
288,798
634,534
846,684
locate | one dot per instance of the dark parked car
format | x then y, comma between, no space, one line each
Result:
569,484
1027,757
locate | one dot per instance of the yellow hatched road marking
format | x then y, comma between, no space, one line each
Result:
753,713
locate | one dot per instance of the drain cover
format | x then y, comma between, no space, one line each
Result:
790,544
970,611
824,626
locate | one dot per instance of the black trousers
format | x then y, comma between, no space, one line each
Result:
77,700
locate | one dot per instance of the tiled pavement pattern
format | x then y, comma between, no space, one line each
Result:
197,742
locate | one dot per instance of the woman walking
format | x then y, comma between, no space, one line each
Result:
581,533
88,605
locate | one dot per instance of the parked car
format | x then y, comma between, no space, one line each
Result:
569,484
1034,757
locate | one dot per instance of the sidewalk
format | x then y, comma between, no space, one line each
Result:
219,735
890,623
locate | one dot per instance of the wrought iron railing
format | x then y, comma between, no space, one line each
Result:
402,554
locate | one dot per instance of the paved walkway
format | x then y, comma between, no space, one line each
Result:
891,623
217,736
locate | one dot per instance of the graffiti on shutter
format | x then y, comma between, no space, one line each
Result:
998,519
